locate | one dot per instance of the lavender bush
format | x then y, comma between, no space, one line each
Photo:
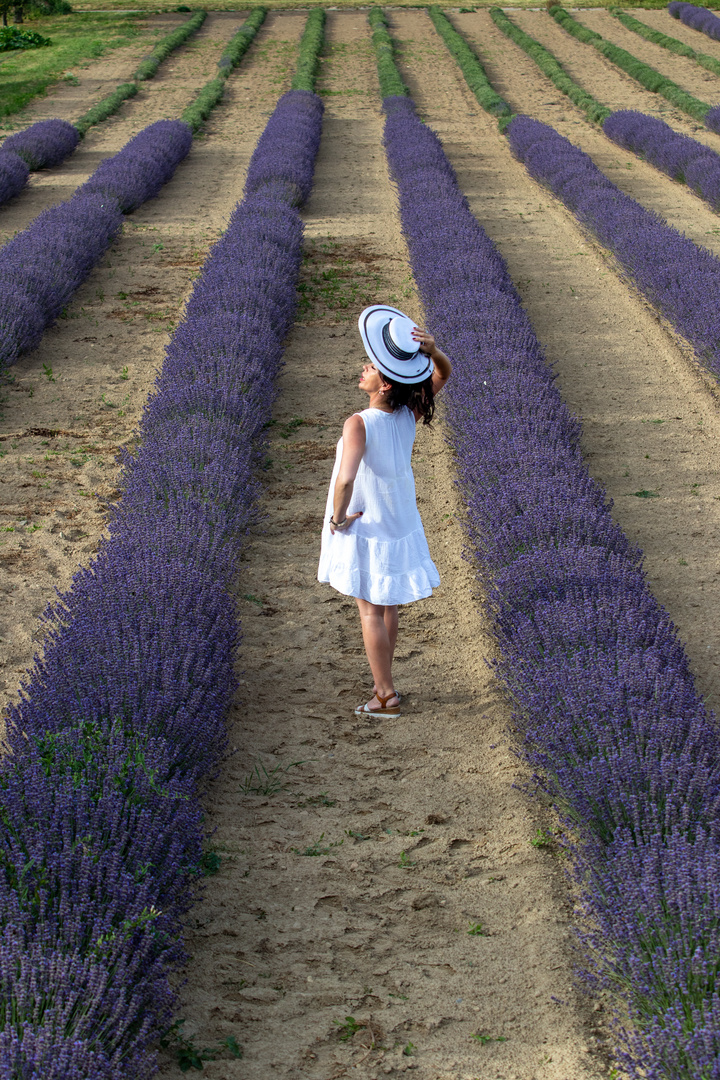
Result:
42,266
13,174
605,702
124,716
699,18
681,279
679,156
43,144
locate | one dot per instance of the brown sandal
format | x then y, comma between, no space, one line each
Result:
365,710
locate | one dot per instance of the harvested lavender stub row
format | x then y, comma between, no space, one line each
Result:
123,718
42,266
606,705
699,18
681,279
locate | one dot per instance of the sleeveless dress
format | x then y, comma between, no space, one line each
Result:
383,557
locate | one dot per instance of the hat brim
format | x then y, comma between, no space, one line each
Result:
371,323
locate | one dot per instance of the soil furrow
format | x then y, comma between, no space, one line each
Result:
383,871
176,84
90,376
681,69
650,418
527,90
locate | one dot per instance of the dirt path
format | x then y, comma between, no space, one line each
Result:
681,69
650,420
93,370
176,84
352,891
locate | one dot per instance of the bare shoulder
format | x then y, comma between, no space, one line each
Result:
354,427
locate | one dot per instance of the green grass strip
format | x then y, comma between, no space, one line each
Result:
167,45
671,43
636,69
391,83
311,44
551,67
199,109
471,67
106,106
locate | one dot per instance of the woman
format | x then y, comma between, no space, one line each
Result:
373,544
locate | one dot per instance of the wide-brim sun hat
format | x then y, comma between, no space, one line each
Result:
387,336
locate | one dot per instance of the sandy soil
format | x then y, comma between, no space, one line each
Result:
352,891
356,857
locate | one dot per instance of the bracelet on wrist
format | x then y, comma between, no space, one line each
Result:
338,524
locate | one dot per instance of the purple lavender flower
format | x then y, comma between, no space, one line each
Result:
123,718
44,144
605,703
699,18
677,276
13,174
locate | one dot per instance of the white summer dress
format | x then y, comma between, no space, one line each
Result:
383,557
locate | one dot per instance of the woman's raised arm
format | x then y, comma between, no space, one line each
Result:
443,367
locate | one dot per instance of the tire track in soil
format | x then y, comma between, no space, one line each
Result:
176,83
527,90
419,831
55,490
650,416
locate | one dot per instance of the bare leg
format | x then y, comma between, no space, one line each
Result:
379,641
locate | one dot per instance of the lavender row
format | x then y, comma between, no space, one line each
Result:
681,279
699,18
680,156
123,719
43,144
605,702
42,266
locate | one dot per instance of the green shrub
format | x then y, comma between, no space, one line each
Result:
12,37
391,83
106,106
311,45
471,67
167,45
550,66
671,43
643,73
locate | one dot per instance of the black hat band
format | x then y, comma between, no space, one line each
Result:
392,348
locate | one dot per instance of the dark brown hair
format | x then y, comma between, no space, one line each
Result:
414,395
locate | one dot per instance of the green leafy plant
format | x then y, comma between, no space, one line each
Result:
484,1039
347,1027
391,83
405,861
260,781
477,930
472,69
543,838
317,848
188,1056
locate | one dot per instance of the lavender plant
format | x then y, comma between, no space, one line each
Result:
123,718
13,174
699,18
681,157
43,144
681,279
605,704
42,266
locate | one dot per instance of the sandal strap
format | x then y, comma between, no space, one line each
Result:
384,700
